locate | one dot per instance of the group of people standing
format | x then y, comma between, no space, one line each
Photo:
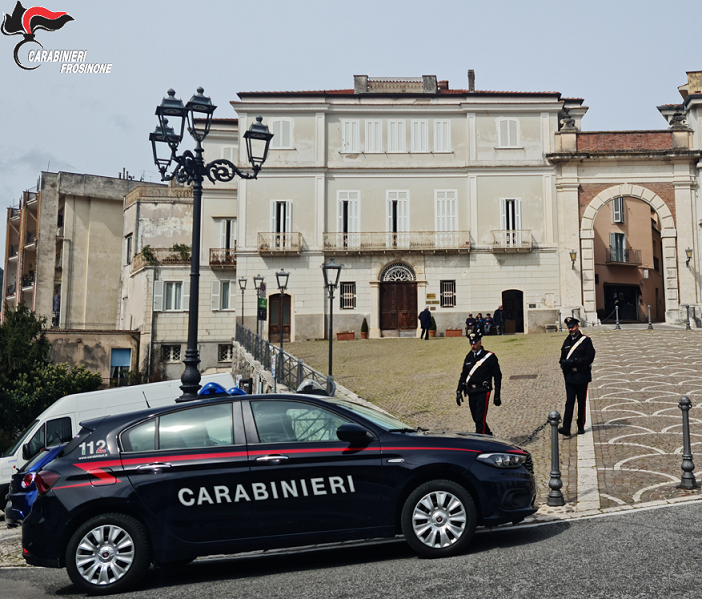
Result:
488,325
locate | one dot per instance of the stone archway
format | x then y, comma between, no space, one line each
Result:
668,239
398,298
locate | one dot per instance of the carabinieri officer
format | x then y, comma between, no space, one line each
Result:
480,368
577,355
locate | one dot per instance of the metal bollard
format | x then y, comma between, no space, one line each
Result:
650,326
555,497
687,324
617,327
688,478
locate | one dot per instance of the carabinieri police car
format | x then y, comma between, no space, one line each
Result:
232,474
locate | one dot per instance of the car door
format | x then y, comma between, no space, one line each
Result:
185,466
303,478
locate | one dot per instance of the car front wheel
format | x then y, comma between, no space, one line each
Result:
438,519
108,554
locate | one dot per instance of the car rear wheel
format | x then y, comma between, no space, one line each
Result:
438,519
108,554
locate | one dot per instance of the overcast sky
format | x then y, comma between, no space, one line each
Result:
624,58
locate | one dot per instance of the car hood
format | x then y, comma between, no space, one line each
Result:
487,442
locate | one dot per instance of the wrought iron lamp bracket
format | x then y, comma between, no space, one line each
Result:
189,168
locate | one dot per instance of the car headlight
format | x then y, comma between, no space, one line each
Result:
503,460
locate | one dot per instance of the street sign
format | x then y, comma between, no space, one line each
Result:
262,303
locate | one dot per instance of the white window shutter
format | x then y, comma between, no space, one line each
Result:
401,134
518,214
288,216
345,135
341,197
277,141
513,133
286,134
223,233
451,211
391,198
186,296
354,225
158,296
232,294
425,136
503,214
354,136
402,212
214,296
274,216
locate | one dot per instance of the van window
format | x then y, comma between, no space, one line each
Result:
141,437
58,431
20,441
36,443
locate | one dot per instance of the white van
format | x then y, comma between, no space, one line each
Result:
61,421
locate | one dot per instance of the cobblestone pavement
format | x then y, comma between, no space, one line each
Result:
416,380
638,379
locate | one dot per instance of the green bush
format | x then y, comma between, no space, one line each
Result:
364,326
432,326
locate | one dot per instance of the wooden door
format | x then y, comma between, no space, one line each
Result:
398,306
274,318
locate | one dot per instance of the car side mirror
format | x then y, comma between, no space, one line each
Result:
26,456
353,433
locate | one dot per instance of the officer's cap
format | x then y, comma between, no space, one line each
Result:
474,337
571,322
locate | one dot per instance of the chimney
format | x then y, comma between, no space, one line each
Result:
360,84
442,85
471,81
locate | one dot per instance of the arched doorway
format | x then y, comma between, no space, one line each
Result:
278,312
513,311
398,299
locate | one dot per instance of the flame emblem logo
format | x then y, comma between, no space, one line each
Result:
27,21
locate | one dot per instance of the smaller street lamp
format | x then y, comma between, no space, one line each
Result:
573,256
258,281
332,272
688,253
282,278
242,286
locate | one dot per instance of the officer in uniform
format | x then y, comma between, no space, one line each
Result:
480,368
577,355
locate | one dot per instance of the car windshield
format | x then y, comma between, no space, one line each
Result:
383,420
19,442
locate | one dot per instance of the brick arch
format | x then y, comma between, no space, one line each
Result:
668,238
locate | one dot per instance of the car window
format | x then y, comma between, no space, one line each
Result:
36,443
294,422
139,438
58,431
206,426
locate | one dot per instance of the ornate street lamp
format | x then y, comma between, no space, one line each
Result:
258,281
332,272
191,168
282,278
242,286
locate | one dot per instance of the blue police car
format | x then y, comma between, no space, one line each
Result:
231,474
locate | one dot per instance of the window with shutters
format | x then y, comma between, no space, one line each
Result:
511,221
374,137
281,223
617,247
128,249
227,233
398,224
223,295
229,153
396,137
350,143
348,219
173,295
445,210
442,136
448,294
618,210
170,353
420,136
347,297
508,133
282,130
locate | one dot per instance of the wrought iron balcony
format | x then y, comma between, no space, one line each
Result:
512,241
623,256
280,243
411,241
159,257
223,257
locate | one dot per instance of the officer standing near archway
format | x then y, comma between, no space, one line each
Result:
480,369
577,355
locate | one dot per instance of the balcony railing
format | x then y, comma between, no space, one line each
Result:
11,290
623,256
222,257
413,241
14,213
512,241
159,257
280,243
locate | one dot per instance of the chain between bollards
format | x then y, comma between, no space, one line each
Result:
555,497
688,478
617,327
650,326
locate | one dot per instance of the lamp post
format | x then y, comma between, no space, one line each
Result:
258,280
282,278
242,286
332,272
191,168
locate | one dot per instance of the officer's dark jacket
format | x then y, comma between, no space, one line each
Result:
578,370
481,379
